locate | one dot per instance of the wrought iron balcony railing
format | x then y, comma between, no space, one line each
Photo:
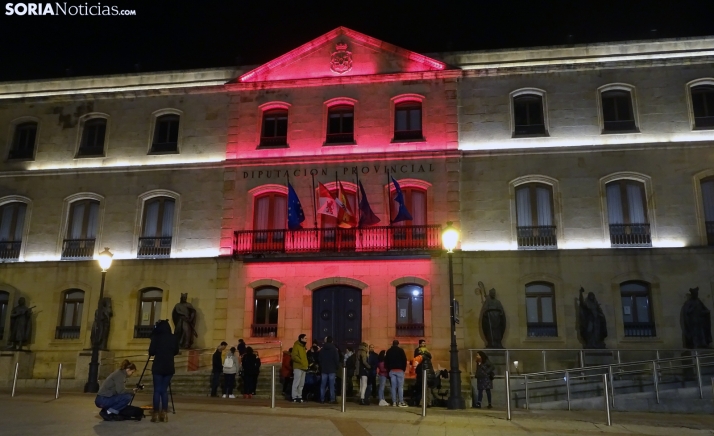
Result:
10,250
63,332
640,329
542,330
369,239
339,138
78,249
263,330
154,247
410,330
143,331
536,237
630,235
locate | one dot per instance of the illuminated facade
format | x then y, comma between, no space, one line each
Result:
561,167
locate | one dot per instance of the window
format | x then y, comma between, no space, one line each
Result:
340,124
166,132
4,301
265,312
540,310
23,141
71,319
270,221
617,114
534,214
336,238
93,135
703,106
407,121
81,230
12,219
149,312
413,233
528,115
637,309
410,310
157,227
627,214
708,198
275,128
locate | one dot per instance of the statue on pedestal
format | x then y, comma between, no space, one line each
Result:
184,317
593,326
493,318
20,325
100,326
696,322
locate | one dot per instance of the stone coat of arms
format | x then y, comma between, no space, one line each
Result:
341,59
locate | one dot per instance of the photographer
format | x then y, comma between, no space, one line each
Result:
164,346
113,395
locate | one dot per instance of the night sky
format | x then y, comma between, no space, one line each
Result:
172,35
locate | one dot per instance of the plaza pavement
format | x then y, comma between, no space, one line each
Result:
38,413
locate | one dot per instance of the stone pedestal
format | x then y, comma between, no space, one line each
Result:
193,363
107,365
598,357
8,359
499,362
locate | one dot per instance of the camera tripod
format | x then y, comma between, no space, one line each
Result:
140,387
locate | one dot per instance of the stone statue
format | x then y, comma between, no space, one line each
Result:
593,326
100,327
20,325
184,317
696,322
493,318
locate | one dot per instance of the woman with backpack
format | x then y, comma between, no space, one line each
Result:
484,378
251,369
230,369
113,395
164,346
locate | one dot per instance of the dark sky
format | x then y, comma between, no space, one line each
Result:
180,34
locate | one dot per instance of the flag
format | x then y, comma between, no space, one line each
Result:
328,205
347,217
295,214
402,214
366,216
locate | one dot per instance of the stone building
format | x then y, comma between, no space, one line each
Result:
562,167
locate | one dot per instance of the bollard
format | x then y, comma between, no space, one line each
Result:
544,364
567,387
607,399
508,395
612,385
423,393
14,380
619,361
526,383
272,388
582,359
655,378
712,388
344,388
699,375
59,380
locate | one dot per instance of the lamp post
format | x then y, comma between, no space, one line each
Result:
105,261
450,238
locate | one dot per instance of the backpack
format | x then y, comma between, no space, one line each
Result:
228,363
131,413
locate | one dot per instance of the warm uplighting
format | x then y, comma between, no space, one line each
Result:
450,237
105,259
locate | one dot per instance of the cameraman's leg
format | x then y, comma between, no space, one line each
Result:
116,403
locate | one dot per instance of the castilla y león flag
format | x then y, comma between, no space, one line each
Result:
328,205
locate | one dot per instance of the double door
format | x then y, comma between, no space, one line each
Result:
337,312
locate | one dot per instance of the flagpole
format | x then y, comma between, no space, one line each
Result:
314,210
389,199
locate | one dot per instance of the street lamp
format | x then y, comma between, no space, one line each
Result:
105,261
450,238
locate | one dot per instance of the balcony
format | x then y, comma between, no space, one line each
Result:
408,135
10,250
410,330
273,141
77,249
263,330
340,138
542,330
640,330
143,331
62,332
339,240
710,232
630,235
154,247
536,237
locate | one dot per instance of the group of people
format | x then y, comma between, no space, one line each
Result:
242,361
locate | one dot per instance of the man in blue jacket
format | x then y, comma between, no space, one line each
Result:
329,360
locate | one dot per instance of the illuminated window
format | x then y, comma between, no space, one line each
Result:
93,136
71,320
707,186
81,230
617,113
4,302
410,310
534,214
270,221
12,220
157,227
23,141
703,106
540,310
166,133
407,121
637,309
265,312
149,311
340,124
275,128
627,214
528,115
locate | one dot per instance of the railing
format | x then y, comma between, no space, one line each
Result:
143,331
535,237
710,232
78,248
640,329
337,138
542,330
10,250
410,330
164,147
408,134
22,153
62,332
369,239
630,235
263,330
273,141
154,247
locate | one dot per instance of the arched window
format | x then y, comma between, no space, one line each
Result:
410,310
627,214
410,233
340,124
149,311
265,312
4,302
12,220
703,106
407,120
23,141
707,186
157,227
274,131
71,319
617,113
540,310
534,215
637,315
81,230
166,133
270,221
93,136
528,115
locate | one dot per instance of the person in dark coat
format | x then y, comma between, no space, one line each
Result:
425,363
395,361
241,347
373,360
251,369
217,368
329,361
164,346
350,361
484,377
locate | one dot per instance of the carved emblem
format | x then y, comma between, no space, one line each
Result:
341,59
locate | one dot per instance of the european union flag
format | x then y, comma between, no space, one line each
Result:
402,214
295,214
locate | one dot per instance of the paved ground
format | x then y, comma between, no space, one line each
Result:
38,413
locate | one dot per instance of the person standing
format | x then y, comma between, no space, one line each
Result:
373,360
286,372
362,368
241,347
329,360
300,365
251,368
484,378
383,374
164,346
217,368
230,368
425,363
350,361
395,362
421,349
113,395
